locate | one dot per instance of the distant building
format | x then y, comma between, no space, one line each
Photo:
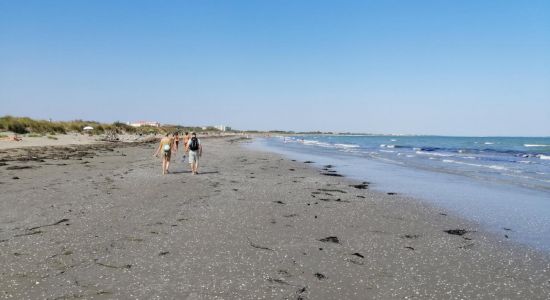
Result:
144,123
223,128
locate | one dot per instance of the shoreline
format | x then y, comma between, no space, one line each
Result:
252,224
515,211
491,236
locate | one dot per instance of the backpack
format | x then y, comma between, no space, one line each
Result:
194,145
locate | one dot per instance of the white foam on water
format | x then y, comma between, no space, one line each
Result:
489,143
535,145
545,157
347,145
316,143
388,151
494,167
433,154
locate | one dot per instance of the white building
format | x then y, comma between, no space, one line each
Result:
223,128
144,123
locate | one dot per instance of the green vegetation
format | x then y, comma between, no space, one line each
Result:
24,125
28,125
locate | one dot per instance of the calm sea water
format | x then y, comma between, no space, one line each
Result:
499,182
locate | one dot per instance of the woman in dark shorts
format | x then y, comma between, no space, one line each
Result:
176,141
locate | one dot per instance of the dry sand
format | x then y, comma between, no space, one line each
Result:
100,221
62,140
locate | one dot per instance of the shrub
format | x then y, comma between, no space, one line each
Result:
17,127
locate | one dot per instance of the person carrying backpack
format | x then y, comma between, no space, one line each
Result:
195,151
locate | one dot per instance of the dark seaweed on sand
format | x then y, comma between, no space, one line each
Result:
332,174
456,231
330,239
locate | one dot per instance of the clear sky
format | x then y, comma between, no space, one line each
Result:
420,67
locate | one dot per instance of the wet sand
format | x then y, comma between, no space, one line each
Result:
100,221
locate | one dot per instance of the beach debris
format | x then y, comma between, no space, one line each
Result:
21,167
279,202
507,229
284,273
332,190
330,239
309,162
360,196
258,246
301,291
15,178
332,174
53,224
112,266
456,231
410,236
358,254
290,215
277,280
164,253
291,169
391,193
110,136
320,276
409,247
362,186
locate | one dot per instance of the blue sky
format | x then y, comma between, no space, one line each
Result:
421,67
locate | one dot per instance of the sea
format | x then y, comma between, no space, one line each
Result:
500,183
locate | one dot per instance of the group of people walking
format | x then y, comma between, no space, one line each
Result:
170,144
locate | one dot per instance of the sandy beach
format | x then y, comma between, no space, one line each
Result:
99,221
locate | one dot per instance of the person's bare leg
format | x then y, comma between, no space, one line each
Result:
163,165
192,170
197,167
167,165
